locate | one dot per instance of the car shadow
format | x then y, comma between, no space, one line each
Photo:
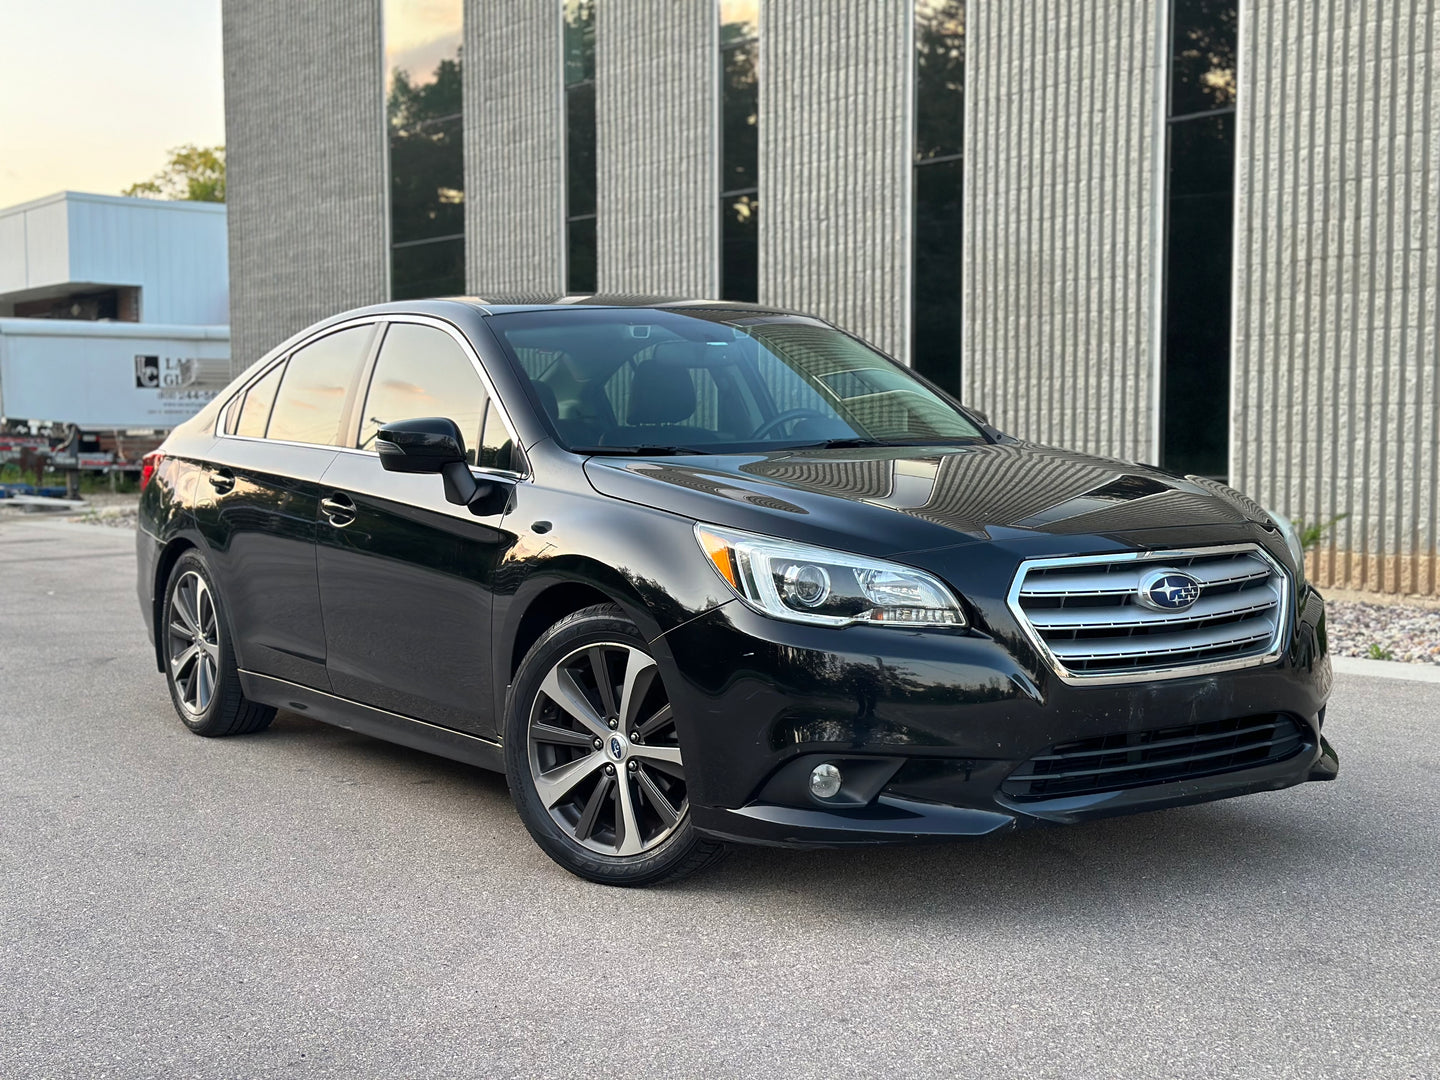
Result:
1143,862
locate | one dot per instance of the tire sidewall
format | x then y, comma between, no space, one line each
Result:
592,626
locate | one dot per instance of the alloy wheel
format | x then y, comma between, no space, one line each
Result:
194,643
603,750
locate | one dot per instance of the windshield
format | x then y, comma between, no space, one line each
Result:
717,381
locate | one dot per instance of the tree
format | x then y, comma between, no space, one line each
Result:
193,173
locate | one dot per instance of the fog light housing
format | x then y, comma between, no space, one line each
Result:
825,781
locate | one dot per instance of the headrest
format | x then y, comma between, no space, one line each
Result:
662,391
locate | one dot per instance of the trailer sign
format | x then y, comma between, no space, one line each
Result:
168,373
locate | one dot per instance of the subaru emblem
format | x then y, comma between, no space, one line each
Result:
617,748
1168,590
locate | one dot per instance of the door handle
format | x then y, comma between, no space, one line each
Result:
338,509
222,480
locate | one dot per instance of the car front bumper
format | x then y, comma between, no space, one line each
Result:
933,724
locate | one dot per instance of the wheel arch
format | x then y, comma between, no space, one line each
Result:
164,564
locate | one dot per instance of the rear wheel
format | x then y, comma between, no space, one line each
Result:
199,660
593,755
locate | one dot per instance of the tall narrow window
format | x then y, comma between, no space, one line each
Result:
739,149
427,163
939,182
1199,197
580,273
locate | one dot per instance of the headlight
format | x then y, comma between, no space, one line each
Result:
1292,541
833,588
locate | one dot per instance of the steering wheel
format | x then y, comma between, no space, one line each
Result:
786,417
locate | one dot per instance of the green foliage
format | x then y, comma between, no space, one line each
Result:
1312,535
1379,652
193,174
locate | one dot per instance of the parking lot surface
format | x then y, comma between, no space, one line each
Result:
307,902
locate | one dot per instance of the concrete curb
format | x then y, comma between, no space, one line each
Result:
1386,669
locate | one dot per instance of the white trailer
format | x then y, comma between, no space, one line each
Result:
109,376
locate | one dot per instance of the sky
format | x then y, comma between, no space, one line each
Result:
93,93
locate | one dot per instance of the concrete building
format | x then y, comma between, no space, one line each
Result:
1196,232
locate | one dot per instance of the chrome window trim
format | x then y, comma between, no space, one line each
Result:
377,320
1037,642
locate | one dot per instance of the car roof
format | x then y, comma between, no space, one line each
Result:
504,305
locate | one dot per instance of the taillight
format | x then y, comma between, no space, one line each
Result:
148,464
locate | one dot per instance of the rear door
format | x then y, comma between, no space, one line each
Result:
406,578
258,502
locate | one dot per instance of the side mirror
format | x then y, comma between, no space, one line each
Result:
433,444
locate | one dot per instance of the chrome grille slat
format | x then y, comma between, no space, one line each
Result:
1128,580
1211,607
1084,613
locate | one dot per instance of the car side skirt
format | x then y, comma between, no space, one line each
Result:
377,723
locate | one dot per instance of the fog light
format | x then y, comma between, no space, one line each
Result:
825,781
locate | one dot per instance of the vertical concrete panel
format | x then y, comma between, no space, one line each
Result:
1337,225
514,147
657,80
1060,255
835,150
305,147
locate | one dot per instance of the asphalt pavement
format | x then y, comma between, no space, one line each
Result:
311,903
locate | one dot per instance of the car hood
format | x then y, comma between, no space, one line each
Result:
893,500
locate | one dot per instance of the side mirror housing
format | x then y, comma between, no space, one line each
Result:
433,444
426,445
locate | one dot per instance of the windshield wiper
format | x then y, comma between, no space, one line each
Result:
634,450
854,443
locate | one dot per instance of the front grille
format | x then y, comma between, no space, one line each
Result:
1086,612
1135,759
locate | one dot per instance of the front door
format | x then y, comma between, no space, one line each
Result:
406,578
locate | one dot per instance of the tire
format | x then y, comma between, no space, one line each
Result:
616,813
200,666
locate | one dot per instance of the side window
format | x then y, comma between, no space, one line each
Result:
422,371
311,401
255,410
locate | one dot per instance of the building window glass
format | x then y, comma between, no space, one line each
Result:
1199,199
939,183
427,164
580,274
739,150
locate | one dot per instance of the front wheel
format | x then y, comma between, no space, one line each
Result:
593,755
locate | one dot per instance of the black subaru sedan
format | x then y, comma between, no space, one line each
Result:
691,573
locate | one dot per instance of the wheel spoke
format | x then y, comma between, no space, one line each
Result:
627,827
656,798
204,683
559,736
640,672
669,754
554,785
179,661
662,717
602,680
182,606
559,686
585,827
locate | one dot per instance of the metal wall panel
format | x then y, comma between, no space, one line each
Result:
1338,225
514,147
305,147
1063,102
835,139
659,182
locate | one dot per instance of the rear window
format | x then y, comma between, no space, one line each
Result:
255,409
